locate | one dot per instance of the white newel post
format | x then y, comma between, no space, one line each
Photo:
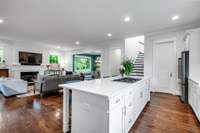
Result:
65,110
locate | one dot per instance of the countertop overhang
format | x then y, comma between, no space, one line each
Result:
103,87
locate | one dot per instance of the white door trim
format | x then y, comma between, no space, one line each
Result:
173,39
154,81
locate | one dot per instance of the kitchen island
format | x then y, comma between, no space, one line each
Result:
104,105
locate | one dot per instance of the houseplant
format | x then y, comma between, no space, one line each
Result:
127,66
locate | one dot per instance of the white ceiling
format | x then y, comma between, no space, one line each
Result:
88,21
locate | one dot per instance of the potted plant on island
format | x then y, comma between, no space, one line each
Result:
127,66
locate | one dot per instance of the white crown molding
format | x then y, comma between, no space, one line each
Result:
196,29
186,27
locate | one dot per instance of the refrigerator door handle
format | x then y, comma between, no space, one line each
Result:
170,74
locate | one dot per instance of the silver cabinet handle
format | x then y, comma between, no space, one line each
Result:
125,110
130,120
170,74
141,94
117,101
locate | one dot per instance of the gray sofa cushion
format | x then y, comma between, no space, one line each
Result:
50,83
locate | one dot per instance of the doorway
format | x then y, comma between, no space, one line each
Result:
164,66
115,58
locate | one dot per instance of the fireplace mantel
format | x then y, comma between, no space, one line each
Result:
16,70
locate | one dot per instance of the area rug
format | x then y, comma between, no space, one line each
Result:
29,93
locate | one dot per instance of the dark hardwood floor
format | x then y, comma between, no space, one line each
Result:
31,114
164,114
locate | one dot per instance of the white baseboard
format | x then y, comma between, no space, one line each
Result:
176,92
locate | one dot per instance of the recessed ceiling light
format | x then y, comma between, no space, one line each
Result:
77,42
1,21
127,19
176,17
58,47
109,34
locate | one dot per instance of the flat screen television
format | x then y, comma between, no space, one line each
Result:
28,58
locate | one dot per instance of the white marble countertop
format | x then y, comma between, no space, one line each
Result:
195,79
104,87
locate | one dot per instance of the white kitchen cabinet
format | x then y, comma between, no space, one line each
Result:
193,40
135,101
96,114
198,102
116,119
194,97
105,106
131,106
89,113
189,93
116,114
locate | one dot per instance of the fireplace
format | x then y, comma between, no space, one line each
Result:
29,76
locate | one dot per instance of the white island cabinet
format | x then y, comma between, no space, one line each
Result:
104,105
194,97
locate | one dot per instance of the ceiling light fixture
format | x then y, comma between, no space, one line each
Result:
109,34
127,19
58,47
176,17
1,21
77,42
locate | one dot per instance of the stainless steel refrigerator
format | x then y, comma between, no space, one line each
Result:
184,75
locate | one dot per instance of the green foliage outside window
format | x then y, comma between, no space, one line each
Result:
82,64
53,59
1,55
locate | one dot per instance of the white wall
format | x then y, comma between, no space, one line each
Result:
115,58
112,56
12,48
148,52
194,58
133,47
7,47
37,49
68,61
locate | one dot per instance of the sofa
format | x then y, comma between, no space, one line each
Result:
12,86
45,84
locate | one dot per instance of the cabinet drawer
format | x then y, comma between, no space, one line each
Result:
130,119
130,93
129,98
116,101
90,101
130,105
198,91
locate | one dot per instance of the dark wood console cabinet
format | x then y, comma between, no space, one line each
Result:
4,73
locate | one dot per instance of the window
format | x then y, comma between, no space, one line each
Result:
54,59
1,55
82,64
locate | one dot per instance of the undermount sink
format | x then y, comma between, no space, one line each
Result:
127,80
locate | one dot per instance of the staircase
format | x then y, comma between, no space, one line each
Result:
139,65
